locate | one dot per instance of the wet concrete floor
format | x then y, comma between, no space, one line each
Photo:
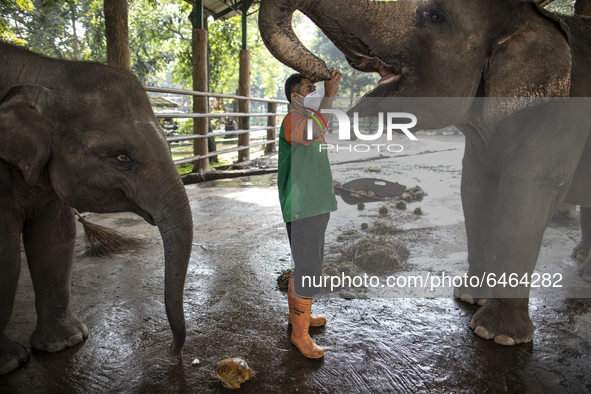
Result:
376,340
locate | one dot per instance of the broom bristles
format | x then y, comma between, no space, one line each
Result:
103,241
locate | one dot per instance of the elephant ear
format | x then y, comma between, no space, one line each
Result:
25,136
533,60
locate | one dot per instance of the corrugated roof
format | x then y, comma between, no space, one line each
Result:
220,8
159,101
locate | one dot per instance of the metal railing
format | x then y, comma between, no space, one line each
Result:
201,138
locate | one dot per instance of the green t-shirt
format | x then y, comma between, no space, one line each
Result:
304,177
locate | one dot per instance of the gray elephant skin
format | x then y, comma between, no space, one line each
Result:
497,58
78,135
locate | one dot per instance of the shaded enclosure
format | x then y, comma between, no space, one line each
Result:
375,340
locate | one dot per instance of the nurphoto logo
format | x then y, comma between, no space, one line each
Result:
402,121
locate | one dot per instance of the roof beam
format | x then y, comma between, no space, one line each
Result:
220,14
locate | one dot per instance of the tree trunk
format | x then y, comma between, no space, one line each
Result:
583,7
117,34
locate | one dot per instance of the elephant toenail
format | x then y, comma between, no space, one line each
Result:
482,301
482,332
504,340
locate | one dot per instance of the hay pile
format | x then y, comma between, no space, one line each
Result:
376,254
338,267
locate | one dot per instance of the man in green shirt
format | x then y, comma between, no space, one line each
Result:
306,194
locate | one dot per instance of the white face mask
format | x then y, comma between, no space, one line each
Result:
314,99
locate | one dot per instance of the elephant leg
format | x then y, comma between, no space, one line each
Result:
581,252
524,205
12,354
49,245
478,201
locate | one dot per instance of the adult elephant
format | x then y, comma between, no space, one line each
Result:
520,163
78,135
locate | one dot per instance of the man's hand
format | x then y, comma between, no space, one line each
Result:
331,87
335,185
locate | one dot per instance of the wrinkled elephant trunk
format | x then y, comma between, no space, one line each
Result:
340,22
174,220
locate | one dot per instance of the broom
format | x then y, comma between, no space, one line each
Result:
103,241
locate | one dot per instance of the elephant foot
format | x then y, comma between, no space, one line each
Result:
12,355
585,270
471,295
56,337
581,252
506,321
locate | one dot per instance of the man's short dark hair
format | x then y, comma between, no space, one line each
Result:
293,84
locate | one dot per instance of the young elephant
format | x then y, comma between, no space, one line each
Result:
78,135
520,163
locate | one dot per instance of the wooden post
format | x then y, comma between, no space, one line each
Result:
200,84
271,122
244,105
244,86
117,34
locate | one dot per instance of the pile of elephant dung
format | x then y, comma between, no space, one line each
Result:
380,227
283,279
376,254
232,372
401,204
413,194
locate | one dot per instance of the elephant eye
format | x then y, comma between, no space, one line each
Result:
123,158
432,16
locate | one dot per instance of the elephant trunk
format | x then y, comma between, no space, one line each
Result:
173,217
339,20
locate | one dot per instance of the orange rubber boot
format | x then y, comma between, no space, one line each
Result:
315,320
300,323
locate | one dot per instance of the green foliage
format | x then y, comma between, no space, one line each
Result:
160,41
354,83
158,33
75,29
185,168
185,126
11,5
225,40
269,75
562,6
62,29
